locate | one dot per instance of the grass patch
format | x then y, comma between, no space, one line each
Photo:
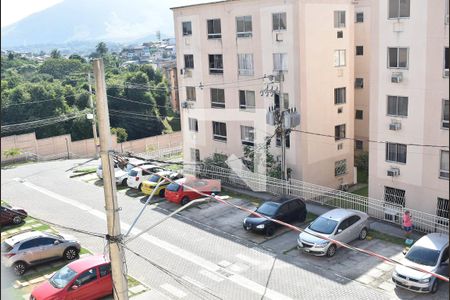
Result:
233,194
86,170
84,251
362,192
132,282
362,176
386,237
310,217
347,204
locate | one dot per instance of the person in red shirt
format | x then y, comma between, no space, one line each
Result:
407,223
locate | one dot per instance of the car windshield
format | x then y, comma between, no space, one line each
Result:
423,256
173,187
62,278
268,208
323,225
6,247
154,178
129,167
133,173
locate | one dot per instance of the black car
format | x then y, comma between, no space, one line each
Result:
283,208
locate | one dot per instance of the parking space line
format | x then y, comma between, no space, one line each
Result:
173,290
211,275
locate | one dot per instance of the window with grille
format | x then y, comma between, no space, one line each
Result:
247,100
398,58
446,62
444,165
187,28
215,64
188,61
359,50
245,64
339,132
445,113
217,98
359,17
359,114
214,29
340,167
280,62
190,93
397,106
442,208
394,196
244,26
278,140
339,19
396,152
359,83
279,21
339,95
247,135
195,154
399,9
359,144
219,131
339,58
193,124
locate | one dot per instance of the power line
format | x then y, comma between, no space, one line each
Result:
42,101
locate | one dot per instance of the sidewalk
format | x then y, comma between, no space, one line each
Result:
317,209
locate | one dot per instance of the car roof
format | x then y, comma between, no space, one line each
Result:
87,262
24,236
284,198
165,172
181,180
340,213
435,241
135,161
144,167
272,203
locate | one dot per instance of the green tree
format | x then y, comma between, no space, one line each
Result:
55,53
60,68
10,56
77,57
121,134
101,49
161,95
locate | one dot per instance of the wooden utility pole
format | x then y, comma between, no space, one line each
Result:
94,125
116,253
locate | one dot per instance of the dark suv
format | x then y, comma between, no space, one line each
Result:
284,208
11,215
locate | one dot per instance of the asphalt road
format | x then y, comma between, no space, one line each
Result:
182,260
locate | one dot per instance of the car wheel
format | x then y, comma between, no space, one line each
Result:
17,220
270,230
161,193
434,286
19,268
184,201
331,250
124,182
70,253
363,234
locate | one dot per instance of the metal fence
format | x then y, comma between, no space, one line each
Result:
162,153
378,209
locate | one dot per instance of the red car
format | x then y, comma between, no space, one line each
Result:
86,278
11,215
178,193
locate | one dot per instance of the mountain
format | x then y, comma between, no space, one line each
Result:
73,21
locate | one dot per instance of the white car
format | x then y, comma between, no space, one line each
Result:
139,174
100,170
429,253
120,175
343,225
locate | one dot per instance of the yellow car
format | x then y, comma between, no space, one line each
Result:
152,182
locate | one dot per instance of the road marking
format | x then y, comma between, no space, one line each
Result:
182,253
211,275
194,282
248,259
173,290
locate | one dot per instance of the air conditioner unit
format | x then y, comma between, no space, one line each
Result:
279,37
393,172
397,77
184,104
395,125
446,73
343,187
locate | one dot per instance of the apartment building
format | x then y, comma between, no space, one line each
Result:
224,50
409,105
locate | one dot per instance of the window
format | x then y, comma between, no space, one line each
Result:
246,99
353,219
195,154
86,277
244,26
340,167
214,29
398,58
189,61
190,93
278,140
442,208
340,110
187,28
394,196
446,62
339,132
398,9
397,106
396,152
359,144
215,64
444,167
359,50
359,17
445,113
219,131
280,62
340,34
339,95
193,124
339,58
245,64
359,83
279,21
339,19
359,114
217,98
104,270
247,135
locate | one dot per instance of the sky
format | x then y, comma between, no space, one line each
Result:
15,10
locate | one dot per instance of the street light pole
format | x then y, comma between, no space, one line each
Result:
114,237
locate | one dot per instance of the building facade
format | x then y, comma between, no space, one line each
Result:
225,52
409,92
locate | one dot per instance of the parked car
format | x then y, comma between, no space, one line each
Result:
177,192
343,225
86,278
11,215
139,174
121,176
430,253
283,208
36,247
117,169
152,182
